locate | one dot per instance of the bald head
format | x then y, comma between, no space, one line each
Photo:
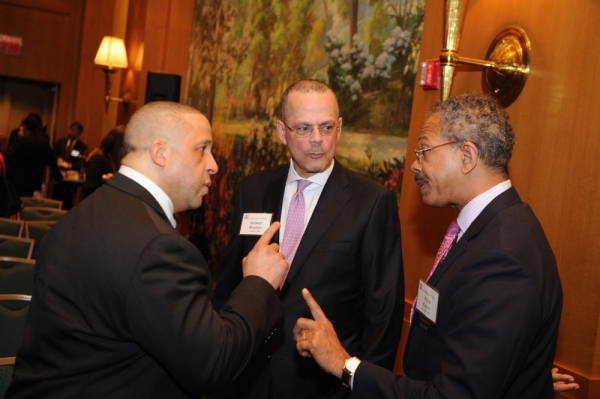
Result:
159,120
304,86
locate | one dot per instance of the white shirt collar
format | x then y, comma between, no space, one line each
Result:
159,195
470,212
317,178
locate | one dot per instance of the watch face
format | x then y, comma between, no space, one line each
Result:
351,364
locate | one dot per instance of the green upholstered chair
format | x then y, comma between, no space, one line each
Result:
11,227
37,230
11,336
10,261
41,202
17,279
16,246
41,213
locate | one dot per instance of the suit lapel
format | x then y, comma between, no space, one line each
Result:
273,197
332,200
508,198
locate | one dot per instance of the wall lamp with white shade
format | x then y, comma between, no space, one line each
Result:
111,54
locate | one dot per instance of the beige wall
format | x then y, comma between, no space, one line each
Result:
555,163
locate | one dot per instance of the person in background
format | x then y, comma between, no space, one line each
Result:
70,153
485,322
27,157
104,161
70,150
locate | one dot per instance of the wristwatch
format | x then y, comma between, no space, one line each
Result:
348,371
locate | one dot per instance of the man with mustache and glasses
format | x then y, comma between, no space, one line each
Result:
485,322
340,232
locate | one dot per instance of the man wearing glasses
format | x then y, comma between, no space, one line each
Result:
485,322
341,235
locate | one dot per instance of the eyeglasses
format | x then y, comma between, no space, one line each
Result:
325,129
421,153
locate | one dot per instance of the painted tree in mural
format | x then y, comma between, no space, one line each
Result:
376,92
244,53
213,51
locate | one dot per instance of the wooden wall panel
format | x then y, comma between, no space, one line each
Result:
555,162
50,30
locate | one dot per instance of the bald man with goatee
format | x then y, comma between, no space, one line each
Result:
122,302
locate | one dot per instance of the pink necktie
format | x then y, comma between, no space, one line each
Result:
447,243
294,224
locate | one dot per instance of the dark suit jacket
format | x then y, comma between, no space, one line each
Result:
500,300
26,161
349,258
122,308
60,147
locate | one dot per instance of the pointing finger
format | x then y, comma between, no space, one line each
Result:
314,307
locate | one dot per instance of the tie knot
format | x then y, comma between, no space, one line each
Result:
453,229
302,184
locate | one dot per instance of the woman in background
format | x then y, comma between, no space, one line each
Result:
103,162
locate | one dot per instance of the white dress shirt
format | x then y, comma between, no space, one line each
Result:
312,193
470,212
159,195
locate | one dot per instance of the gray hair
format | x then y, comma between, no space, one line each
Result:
480,119
158,120
304,86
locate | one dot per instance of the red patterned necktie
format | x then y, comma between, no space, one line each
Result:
447,243
68,149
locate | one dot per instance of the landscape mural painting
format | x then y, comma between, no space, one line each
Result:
245,53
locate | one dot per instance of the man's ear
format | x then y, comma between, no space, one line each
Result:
281,132
470,156
160,152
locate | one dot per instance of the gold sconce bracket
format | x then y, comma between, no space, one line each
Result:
510,53
506,65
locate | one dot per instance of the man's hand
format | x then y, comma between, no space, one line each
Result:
265,260
563,382
318,339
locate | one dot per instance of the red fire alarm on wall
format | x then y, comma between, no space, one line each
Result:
431,75
10,45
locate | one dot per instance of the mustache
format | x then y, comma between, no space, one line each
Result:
420,179
315,149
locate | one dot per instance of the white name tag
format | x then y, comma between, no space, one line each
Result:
255,224
427,301
75,153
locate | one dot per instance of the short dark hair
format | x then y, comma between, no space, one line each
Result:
77,126
32,122
480,119
304,86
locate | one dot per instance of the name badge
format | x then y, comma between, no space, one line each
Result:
255,224
427,301
75,153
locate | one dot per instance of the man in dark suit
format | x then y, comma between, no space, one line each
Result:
27,158
347,250
70,155
486,321
122,302
69,151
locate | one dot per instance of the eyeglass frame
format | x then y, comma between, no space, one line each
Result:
421,153
293,130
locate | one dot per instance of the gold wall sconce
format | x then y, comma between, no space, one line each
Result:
112,55
507,61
